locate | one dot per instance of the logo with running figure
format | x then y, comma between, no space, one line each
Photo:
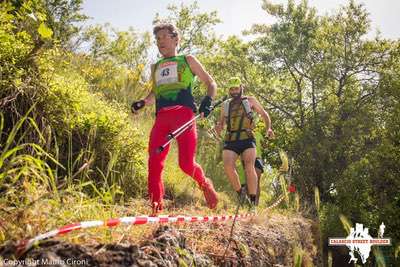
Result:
359,240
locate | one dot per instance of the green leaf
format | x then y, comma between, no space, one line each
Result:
45,31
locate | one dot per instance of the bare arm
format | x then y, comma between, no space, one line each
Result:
150,98
264,115
220,123
203,75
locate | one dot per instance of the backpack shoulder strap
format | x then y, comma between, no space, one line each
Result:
247,108
226,108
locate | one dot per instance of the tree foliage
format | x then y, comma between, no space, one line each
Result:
332,93
195,27
115,62
44,88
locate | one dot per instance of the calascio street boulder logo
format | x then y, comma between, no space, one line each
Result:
359,240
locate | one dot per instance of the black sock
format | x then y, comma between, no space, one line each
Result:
253,199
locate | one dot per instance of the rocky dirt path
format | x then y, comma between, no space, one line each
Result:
265,241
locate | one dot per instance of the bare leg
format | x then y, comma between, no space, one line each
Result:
229,158
249,157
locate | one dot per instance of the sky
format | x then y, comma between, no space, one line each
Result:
236,15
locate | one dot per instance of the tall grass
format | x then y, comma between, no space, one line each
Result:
24,160
298,255
317,199
317,202
347,225
33,196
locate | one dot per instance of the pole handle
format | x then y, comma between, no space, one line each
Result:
183,128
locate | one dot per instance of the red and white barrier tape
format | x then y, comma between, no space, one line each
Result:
24,245
276,203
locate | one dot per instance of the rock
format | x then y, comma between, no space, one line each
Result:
146,263
265,243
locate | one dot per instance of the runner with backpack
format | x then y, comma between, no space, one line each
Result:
238,115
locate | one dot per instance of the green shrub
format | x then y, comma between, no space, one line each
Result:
91,132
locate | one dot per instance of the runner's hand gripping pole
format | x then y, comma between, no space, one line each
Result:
186,126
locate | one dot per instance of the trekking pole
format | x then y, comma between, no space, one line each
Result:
181,129
240,203
186,126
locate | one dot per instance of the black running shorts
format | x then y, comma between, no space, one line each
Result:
240,145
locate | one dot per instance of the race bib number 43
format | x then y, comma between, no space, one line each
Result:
166,73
